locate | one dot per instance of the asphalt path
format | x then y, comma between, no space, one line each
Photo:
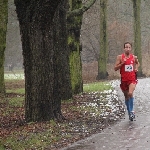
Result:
125,134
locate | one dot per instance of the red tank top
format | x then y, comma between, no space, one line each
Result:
127,69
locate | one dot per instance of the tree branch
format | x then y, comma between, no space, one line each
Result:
81,10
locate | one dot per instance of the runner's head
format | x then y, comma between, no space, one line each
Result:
127,48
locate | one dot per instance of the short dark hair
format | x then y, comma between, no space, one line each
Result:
127,43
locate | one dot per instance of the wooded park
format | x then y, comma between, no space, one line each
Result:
62,45
52,41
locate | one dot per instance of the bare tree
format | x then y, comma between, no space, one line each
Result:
3,29
137,33
74,21
103,55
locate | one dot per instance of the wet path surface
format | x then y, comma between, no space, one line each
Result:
125,135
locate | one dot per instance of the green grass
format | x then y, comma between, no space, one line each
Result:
32,140
21,71
18,91
97,86
1,147
16,102
35,138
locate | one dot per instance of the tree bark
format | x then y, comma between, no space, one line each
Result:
3,29
74,27
102,62
137,34
61,54
37,34
80,10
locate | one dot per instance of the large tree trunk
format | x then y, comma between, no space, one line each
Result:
37,26
137,33
74,27
3,29
102,62
61,55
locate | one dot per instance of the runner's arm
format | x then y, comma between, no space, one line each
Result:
118,63
137,64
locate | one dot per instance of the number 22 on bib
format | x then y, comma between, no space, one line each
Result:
128,68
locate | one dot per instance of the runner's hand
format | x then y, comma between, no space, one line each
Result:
123,61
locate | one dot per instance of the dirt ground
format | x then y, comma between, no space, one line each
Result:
75,119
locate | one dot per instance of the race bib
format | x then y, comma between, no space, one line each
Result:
128,68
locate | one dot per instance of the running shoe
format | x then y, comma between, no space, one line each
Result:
132,116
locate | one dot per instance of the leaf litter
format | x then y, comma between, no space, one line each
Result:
86,114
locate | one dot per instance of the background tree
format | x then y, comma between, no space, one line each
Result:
74,27
3,29
120,29
137,33
102,62
74,22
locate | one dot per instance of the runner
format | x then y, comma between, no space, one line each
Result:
128,65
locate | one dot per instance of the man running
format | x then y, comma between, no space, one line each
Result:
128,65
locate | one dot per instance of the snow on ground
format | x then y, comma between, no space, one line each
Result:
13,76
106,103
